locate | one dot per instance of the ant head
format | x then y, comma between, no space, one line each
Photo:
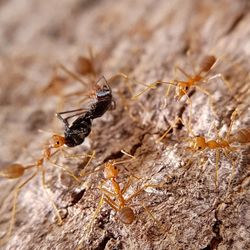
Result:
126,215
104,91
181,89
199,143
57,141
110,170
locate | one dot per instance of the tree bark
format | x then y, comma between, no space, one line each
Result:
146,40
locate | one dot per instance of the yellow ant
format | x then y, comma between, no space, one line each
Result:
182,87
115,198
200,143
85,66
16,170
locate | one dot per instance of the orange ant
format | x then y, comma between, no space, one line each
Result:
200,143
115,198
16,170
84,66
182,87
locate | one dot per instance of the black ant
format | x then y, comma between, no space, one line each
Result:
81,127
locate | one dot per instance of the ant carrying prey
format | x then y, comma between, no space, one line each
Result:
17,170
81,127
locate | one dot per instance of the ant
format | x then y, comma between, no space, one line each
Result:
16,171
200,143
81,127
182,87
84,66
115,198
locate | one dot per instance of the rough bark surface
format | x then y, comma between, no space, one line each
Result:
144,39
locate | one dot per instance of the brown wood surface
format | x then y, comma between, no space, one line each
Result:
144,39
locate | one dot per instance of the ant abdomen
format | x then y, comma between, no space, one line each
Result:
207,63
241,136
126,215
84,66
77,132
12,171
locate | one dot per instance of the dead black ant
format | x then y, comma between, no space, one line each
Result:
81,127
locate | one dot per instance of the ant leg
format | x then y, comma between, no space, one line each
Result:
148,87
90,225
177,119
71,74
67,155
95,213
177,67
110,202
217,152
222,78
126,186
232,119
143,189
106,191
69,172
127,78
13,213
90,159
153,217
71,111
190,111
233,163
210,98
65,120
102,78
49,197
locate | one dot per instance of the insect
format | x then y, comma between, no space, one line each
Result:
195,80
115,198
81,127
200,143
86,72
16,171
84,67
